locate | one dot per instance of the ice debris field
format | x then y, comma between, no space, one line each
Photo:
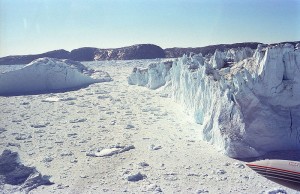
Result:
88,129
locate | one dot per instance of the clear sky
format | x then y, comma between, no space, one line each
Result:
36,26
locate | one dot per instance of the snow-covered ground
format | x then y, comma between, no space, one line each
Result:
150,144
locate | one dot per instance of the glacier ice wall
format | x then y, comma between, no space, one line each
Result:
48,75
247,107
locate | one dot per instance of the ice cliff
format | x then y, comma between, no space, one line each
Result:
49,75
246,102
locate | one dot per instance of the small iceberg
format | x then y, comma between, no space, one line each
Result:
46,75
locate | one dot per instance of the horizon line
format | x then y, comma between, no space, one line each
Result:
149,44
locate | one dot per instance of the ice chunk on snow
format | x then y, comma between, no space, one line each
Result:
246,109
117,149
153,77
51,99
46,75
107,152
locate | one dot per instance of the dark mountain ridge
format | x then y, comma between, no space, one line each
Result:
178,52
139,51
24,59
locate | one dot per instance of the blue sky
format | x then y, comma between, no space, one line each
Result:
36,26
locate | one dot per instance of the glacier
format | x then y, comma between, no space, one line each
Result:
49,75
246,102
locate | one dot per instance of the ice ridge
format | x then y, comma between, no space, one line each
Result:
246,102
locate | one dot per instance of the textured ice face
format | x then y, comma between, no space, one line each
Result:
153,77
49,75
224,59
245,108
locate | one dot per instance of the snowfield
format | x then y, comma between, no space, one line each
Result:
245,104
111,137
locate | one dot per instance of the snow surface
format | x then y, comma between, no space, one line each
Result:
248,108
47,75
61,134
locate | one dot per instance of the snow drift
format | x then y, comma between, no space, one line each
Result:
247,103
49,75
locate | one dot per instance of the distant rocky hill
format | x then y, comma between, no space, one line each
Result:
24,59
83,54
178,52
139,51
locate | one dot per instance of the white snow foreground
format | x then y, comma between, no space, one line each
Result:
47,75
246,105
